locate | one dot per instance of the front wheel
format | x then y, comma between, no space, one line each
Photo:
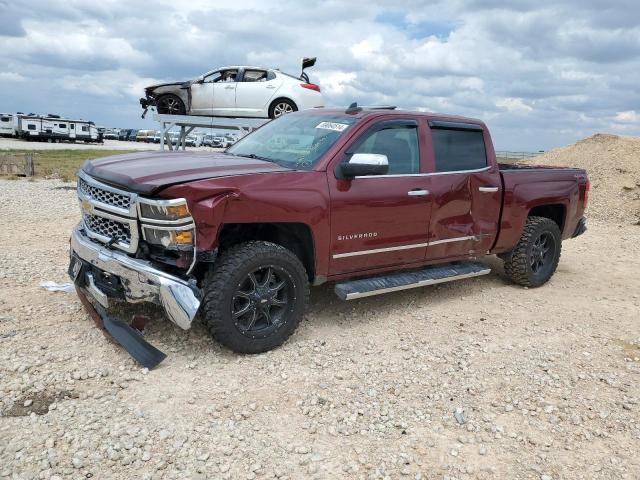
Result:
170,104
535,259
281,107
254,297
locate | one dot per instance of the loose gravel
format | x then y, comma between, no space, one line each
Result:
477,379
613,164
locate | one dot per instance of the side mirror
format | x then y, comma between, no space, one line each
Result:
364,164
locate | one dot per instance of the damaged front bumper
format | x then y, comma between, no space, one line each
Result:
108,274
146,103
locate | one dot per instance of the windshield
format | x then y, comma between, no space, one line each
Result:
294,141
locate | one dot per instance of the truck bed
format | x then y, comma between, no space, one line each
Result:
509,167
555,192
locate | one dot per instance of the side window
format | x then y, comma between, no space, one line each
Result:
5,119
457,149
85,128
223,76
72,126
31,126
62,125
398,142
254,76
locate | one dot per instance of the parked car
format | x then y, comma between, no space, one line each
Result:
207,139
145,135
192,141
132,135
230,237
110,135
238,91
123,134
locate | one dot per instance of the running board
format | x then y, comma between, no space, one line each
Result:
367,287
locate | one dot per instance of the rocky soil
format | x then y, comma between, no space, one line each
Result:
613,164
477,379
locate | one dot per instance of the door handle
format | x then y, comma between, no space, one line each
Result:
270,86
418,193
488,189
230,87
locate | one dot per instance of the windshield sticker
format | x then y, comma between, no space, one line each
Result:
337,127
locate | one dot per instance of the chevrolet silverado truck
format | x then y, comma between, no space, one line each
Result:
372,199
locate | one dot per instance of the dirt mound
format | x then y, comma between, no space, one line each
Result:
613,164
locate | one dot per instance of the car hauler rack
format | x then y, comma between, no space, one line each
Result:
188,122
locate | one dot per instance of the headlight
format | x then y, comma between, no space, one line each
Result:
176,238
167,223
164,210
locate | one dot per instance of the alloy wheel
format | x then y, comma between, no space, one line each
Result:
169,105
542,253
282,108
262,301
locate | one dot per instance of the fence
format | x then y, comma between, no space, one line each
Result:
20,164
506,156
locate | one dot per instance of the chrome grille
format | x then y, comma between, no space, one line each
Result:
104,196
107,228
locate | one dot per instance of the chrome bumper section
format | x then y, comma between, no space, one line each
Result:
141,281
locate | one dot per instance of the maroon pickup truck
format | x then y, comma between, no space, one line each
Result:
375,200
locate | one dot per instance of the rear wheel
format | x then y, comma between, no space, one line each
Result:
280,107
170,104
535,259
254,297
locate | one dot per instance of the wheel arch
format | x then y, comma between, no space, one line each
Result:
282,97
296,237
553,211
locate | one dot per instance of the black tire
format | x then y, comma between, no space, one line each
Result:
227,293
535,259
170,104
280,107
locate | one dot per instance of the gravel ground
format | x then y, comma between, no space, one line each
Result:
473,379
613,163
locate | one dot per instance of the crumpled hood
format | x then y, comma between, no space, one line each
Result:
152,87
149,172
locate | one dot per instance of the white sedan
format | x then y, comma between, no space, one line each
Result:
239,91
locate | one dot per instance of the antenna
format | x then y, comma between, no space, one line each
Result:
353,108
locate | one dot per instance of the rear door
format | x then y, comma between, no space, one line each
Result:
465,190
381,221
255,91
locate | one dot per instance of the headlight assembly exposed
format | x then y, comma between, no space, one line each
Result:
164,210
172,238
167,223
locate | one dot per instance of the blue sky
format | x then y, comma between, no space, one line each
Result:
541,74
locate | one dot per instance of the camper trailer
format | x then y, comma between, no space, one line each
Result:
48,128
84,131
8,124
52,128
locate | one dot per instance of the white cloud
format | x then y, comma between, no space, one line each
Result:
537,81
629,116
10,77
513,104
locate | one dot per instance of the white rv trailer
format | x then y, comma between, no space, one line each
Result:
8,124
52,128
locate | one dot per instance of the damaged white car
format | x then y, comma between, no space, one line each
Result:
239,91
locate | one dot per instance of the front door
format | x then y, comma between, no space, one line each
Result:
465,191
380,221
202,95
224,93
